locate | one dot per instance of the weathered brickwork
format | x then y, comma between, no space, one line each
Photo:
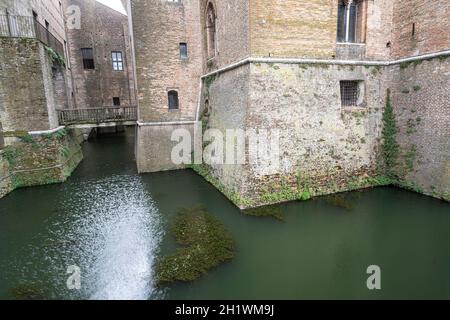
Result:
431,20
232,32
23,100
421,98
291,28
104,30
159,65
39,160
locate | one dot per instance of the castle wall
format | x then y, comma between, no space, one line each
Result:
421,98
233,31
23,99
431,23
324,147
39,160
159,66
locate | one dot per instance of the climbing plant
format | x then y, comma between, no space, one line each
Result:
55,57
390,148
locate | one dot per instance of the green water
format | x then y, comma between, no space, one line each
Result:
111,223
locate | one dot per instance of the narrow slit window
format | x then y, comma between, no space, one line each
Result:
183,50
173,100
117,61
350,93
88,58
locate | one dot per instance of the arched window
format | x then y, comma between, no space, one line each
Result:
173,100
211,30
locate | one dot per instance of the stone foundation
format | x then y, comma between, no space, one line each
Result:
39,159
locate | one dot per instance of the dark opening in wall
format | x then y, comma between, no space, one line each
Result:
173,100
413,32
88,58
116,101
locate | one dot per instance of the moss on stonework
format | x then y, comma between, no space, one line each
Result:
232,196
206,244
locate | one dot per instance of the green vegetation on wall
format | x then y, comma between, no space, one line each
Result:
389,148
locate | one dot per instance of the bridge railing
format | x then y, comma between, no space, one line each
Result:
97,115
27,27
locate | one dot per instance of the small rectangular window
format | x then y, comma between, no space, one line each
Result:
117,61
173,100
88,58
183,50
350,93
116,101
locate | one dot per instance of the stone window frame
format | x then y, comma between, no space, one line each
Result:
361,97
359,23
211,31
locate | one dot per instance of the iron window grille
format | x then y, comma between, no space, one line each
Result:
350,93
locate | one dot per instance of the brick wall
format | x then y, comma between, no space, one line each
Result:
421,101
233,38
159,27
105,30
291,28
432,25
23,100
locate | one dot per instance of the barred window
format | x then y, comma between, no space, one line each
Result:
173,100
88,58
117,61
350,93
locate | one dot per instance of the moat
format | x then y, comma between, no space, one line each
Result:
112,223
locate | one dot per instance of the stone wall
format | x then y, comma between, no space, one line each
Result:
324,147
420,97
39,160
104,30
154,147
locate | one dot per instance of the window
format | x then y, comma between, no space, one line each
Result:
88,58
352,93
116,101
351,21
117,61
173,100
183,50
211,30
